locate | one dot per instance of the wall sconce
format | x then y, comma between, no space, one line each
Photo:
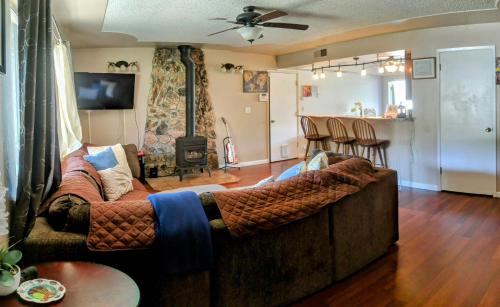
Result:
231,68
123,66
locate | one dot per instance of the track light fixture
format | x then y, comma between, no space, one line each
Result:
390,65
322,75
363,71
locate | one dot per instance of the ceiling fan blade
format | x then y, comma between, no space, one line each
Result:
233,28
293,26
271,15
217,18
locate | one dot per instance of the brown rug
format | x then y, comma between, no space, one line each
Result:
172,182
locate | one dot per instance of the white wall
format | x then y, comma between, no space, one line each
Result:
250,131
336,96
423,169
102,127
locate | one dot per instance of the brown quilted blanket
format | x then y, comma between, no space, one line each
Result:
245,212
121,225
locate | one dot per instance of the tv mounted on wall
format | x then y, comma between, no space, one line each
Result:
98,91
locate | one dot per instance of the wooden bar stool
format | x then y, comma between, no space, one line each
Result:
338,134
366,138
311,134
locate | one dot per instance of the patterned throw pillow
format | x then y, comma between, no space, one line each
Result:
116,177
320,161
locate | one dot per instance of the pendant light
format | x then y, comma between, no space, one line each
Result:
363,71
315,75
322,75
339,72
391,65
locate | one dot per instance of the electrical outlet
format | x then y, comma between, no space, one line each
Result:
248,110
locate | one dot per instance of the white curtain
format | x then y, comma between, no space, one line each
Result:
70,129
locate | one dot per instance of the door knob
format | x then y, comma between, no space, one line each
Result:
272,121
488,129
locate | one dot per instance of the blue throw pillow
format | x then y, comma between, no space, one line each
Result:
292,171
102,160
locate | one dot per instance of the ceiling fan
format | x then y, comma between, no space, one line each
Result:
250,23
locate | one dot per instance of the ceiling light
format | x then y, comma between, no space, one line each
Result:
402,67
381,69
363,71
315,75
250,33
322,75
391,65
339,73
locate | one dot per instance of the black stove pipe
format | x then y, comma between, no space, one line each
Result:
190,88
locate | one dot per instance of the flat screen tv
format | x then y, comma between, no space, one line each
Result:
96,91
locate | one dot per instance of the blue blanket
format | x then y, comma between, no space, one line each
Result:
182,233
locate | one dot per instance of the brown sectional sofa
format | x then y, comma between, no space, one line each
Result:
268,269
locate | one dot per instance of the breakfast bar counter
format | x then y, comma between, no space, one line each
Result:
399,131
352,117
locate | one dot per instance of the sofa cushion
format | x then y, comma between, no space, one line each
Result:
132,159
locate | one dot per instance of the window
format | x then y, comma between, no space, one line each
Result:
11,110
397,94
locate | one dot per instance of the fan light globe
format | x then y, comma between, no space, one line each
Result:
401,68
322,75
363,71
250,33
315,76
339,73
381,70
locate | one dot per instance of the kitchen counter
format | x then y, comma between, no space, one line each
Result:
370,118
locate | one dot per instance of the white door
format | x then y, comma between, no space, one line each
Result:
283,126
468,148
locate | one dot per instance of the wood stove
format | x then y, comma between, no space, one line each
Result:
191,151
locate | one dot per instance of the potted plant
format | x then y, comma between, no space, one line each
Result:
10,273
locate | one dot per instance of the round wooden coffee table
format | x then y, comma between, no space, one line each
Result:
87,284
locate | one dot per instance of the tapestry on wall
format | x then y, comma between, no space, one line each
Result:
166,119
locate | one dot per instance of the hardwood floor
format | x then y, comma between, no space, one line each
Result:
448,253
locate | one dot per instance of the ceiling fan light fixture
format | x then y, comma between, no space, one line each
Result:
250,33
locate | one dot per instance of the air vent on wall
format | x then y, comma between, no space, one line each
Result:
320,53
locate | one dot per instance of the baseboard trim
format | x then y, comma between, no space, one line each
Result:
418,185
497,195
250,163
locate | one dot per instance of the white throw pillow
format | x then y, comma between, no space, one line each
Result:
320,161
116,182
120,155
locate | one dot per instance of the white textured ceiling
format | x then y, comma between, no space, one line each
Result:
187,21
